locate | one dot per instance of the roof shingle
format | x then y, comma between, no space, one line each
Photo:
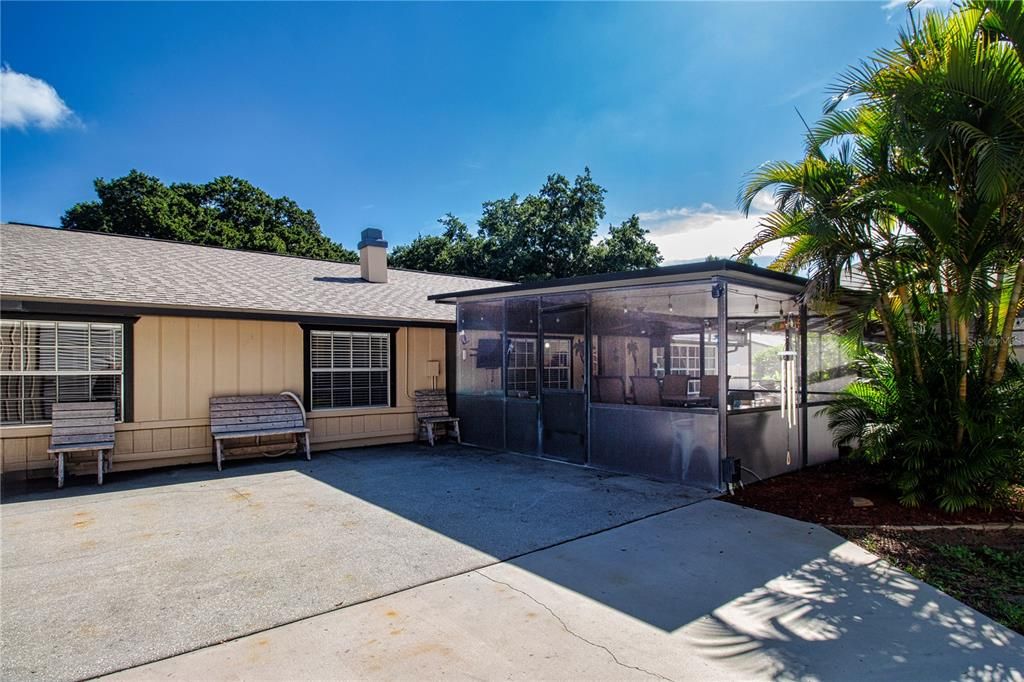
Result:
90,267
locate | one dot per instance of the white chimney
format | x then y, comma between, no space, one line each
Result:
373,256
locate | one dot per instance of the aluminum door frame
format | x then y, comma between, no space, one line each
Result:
584,416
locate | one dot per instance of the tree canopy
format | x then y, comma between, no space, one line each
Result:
546,235
226,211
541,236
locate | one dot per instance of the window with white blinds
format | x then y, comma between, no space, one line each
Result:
349,369
46,362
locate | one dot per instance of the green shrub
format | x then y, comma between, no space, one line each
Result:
909,428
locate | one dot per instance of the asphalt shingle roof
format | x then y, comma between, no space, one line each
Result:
89,267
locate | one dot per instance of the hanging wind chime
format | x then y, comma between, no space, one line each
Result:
787,384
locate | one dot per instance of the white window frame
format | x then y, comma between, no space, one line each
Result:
352,369
57,372
687,361
522,364
658,361
557,376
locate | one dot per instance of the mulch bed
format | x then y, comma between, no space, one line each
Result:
822,495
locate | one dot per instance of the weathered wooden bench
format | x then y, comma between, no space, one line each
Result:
82,427
432,411
256,416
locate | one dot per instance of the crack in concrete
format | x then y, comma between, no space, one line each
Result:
572,632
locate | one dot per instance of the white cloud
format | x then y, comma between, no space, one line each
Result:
691,234
893,6
26,101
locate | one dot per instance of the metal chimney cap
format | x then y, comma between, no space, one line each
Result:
372,236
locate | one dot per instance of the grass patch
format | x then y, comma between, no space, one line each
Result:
983,570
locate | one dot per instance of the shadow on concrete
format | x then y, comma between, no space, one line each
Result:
774,597
502,504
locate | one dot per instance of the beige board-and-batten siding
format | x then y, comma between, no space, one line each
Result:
180,362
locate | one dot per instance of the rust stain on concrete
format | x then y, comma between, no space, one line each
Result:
83,520
431,648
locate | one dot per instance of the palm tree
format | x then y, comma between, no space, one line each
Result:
914,181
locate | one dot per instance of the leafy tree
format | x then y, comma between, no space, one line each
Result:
455,250
226,211
625,248
541,236
912,184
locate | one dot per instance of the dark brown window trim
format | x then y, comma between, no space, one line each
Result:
392,332
128,369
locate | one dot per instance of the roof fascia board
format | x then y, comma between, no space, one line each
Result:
10,305
650,278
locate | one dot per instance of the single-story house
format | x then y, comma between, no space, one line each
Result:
620,371
161,327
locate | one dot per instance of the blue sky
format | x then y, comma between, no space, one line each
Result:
393,114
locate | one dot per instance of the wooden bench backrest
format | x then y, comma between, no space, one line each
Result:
82,424
431,402
253,413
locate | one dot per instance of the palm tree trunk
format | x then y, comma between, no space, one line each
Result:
915,351
963,342
940,298
884,311
885,315
1011,316
993,328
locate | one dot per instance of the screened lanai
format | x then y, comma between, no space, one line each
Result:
695,373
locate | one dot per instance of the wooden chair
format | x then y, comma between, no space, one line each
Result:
255,416
646,391
82,427
611,390
432,411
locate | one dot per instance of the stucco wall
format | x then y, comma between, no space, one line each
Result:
181,362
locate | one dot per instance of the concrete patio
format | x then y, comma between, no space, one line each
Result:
152,565
711,591
410,563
